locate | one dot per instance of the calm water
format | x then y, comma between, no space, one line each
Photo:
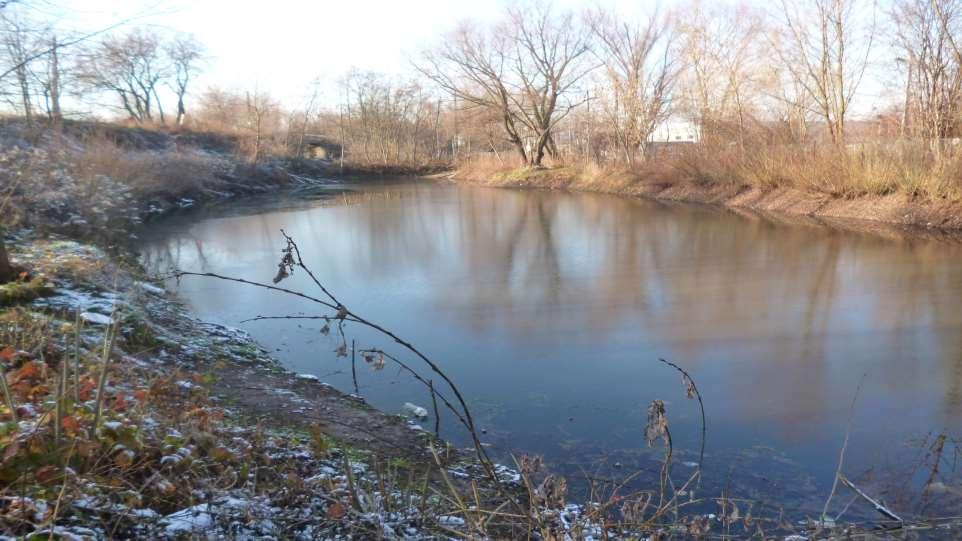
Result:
550,311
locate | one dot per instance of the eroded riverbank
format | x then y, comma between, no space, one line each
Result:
894,214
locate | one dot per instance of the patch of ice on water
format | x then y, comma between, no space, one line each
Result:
309,377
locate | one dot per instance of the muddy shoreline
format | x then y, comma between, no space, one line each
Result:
894,216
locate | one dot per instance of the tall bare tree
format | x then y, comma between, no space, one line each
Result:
718,47
473,65
131,67
524,70
384,121
259,108
185,53
640,70
18,42
826,49
925,35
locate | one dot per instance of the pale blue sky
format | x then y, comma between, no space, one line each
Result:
280,46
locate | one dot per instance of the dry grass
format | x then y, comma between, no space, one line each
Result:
871,168
908,168
146,173
98,180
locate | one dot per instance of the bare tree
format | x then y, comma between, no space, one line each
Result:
258,107
640,71
925,31
49,76
525,70
826,49
473,65
384,121
18,42
306,116
185,54
722,65
551,62
131,67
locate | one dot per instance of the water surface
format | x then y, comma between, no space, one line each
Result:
550,311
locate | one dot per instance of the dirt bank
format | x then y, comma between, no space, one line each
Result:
897,210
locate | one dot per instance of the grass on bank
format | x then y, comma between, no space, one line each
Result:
909,168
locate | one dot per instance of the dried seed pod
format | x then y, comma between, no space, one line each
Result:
657,426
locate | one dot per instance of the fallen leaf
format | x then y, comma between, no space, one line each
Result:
11,451
335,511
47,474
70,425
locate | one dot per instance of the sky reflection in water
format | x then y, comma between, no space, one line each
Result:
550,310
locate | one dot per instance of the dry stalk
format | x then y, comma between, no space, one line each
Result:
841,454
7,396
292,259
104,366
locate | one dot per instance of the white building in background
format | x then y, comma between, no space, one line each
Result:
675,131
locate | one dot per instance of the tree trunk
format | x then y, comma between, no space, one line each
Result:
537,155
25,94
160,108
55,113
181,111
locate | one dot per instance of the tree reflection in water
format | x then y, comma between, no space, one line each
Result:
548,306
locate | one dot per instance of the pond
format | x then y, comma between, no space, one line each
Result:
550,311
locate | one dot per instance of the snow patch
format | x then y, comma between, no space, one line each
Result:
194,519
415,411
151,288
96,319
